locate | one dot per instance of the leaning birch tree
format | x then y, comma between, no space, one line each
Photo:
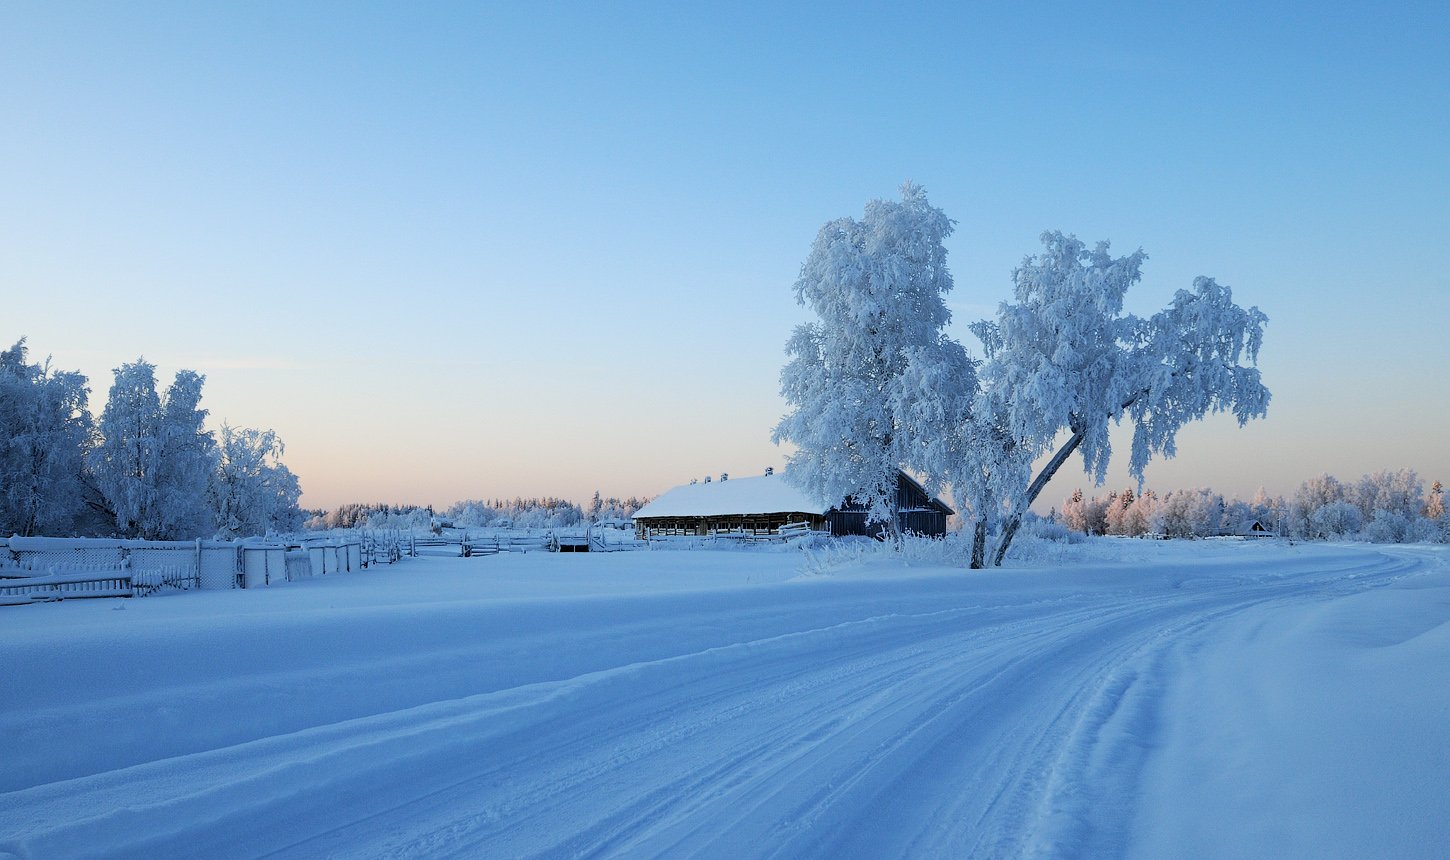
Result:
1064,363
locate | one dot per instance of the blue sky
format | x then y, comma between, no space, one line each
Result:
526,249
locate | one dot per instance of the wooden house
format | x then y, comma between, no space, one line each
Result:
762,505
1251,528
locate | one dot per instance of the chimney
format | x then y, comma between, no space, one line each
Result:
769,470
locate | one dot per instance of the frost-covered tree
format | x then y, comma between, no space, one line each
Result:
154,461
1139,517
1126,513
125,464
1206,512
876,286
1312,495
1088,515
935,403
252,491
1400,493
1266,508
1064,363
1073,515
1436,514
1189,513
1095,515
1172,517
188,458
1116,515
45,431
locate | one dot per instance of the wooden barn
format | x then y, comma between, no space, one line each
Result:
762,505
916,510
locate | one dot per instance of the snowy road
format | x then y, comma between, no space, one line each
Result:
452,711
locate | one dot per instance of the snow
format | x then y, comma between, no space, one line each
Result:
1206,698
766,494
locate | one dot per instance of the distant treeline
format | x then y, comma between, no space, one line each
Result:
371,515
1384,507
544,512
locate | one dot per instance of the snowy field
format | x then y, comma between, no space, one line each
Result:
1205,699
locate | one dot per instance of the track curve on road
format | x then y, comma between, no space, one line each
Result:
1006,714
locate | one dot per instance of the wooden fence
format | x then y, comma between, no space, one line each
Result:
46,569
19,587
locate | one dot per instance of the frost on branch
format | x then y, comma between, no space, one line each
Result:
1192,365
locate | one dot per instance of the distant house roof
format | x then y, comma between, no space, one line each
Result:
769,494
1251,527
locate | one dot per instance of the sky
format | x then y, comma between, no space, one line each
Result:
519,249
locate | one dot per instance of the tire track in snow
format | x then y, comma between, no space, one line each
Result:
798,746
1087,807
975,727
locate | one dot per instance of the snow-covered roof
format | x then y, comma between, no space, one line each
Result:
768,494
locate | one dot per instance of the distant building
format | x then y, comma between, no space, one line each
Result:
1251,528
763,504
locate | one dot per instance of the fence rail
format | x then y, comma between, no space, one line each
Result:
45,569
17,590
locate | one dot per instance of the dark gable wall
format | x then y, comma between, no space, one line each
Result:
918,513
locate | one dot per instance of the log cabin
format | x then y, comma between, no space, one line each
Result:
762,505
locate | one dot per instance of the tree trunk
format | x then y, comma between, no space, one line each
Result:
893,528
979,544
1009,529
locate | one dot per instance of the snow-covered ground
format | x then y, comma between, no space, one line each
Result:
1206,699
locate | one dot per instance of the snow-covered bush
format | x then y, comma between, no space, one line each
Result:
1042,528
1390,527
828,555
1435,502
840,554
1335,520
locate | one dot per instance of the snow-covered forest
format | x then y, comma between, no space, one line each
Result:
148,468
